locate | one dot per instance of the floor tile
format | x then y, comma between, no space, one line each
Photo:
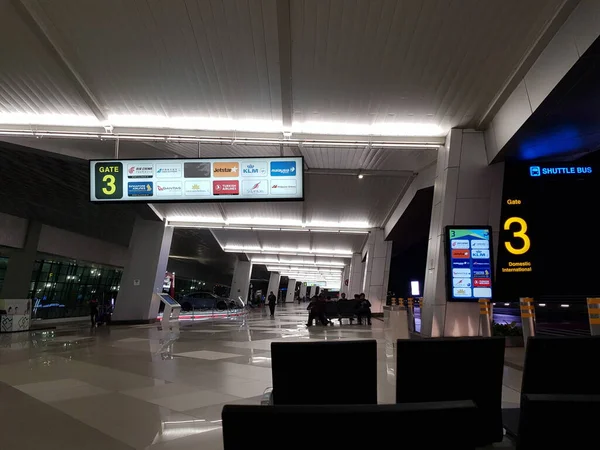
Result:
193,400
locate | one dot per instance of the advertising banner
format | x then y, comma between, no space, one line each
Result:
197,180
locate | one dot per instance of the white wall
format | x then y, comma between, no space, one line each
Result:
578,32
424,179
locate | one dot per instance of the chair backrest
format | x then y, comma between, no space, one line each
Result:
348,306
331,308
446,369
562,365
324,373
576,416
439,425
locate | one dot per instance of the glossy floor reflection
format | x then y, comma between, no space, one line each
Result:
155,387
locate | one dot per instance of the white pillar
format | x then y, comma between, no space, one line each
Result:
17,282
356,273
240,283
290,291
302,293
345,287
144,273
274,280
467,191
377,269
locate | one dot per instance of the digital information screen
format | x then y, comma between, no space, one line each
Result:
197,180
168,299
469,263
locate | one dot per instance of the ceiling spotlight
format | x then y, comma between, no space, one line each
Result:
360,176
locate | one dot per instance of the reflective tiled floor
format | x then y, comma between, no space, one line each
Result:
148,387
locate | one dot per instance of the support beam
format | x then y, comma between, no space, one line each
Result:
366,173
284,35
32,15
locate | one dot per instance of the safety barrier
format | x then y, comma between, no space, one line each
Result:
593,305
485,317
527,317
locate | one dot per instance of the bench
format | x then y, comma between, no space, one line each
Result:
345,309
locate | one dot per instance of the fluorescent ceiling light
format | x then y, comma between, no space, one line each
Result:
296,263
275,252
378,129
49,119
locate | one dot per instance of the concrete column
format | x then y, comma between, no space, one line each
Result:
302,290
144,273
467,191
290,291
345,278
274,280
377,269
356,274
17,282
240,283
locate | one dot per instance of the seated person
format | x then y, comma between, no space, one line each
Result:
316,311
364,309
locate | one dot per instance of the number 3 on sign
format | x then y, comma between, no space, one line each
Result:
519,234
110,187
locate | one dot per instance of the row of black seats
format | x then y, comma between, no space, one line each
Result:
448,392
344,309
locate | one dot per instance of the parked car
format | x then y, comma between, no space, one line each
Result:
207,301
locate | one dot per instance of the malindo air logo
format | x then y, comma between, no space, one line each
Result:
283,168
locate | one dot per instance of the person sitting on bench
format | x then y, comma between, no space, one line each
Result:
364,310
316,311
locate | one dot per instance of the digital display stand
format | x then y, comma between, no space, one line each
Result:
172,308
469,263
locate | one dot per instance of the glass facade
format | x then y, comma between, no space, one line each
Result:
64,288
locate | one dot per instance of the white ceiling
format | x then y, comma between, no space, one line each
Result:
406,70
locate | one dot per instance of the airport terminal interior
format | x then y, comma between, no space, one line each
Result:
226,223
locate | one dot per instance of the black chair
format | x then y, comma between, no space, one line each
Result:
449,369
324,373
432,425
347,309
560,397
331,310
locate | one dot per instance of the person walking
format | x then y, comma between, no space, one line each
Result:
93,312
272,302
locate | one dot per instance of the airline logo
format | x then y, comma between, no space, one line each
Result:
283,187
459,243
482,292
480,254
483,265
197,188
139,189
460,264
460,254
481,273
255,187
480,245
482,282
254,169
461,292
140,170
168,171
461,273
461,282
196,170
168,188
283,168
229,187
226,169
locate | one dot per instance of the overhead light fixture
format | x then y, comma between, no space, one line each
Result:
360,176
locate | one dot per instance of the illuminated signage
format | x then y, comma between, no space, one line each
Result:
197,180
469,265
538,171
